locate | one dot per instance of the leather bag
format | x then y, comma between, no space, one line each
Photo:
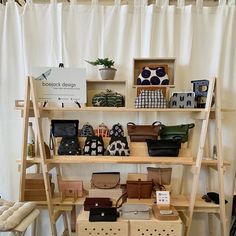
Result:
103,214
139,189
97,202
163,148
139,133
71,188
105,180
176,131
161,177
135,211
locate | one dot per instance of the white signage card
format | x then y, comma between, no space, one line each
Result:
163,197
55,84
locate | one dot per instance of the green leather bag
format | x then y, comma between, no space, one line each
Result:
176,132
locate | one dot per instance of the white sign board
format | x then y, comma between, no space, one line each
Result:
55,84
163,197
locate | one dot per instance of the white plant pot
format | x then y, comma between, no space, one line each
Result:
107,73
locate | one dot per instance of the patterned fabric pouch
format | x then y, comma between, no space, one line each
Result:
93,146
87,130
118,146
117,130
102,130
150,99
153,76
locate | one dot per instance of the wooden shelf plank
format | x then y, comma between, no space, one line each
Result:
181,202
124,160
120,160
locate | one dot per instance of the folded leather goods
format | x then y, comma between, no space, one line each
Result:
103,214
212,197
105,180
135,211
168,148
176,131
97,203
161,213
139,189
139,133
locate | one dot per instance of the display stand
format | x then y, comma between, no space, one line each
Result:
185,205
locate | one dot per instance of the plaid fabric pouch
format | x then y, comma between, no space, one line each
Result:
102,130
150,99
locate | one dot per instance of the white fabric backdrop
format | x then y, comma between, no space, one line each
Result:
201,38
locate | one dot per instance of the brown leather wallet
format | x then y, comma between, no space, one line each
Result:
95,202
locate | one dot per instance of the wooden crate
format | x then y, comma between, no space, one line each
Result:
155,227
167,63
86,228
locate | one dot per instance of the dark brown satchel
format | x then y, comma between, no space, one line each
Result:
139,133
95,202
139,189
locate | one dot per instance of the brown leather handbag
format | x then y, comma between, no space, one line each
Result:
105,180
160,177
95,202
139,189
139,133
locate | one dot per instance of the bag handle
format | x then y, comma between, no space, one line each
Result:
131,123
123,197
156,123
191,125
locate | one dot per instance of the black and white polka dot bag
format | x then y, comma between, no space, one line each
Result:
118,146
93,146
153,76
117,130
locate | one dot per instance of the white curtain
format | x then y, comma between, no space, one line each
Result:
201,38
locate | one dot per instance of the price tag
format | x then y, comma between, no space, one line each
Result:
163,197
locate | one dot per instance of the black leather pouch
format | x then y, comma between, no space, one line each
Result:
163,147
103,214
64,128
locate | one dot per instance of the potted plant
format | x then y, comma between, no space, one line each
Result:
107,71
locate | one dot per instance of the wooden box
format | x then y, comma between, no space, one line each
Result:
155,227
98,86
167,63
86,228
71,188
35,188
37,194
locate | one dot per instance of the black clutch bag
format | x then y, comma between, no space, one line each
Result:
163,147
103,214
64,128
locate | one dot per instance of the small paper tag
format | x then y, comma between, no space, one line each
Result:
163,197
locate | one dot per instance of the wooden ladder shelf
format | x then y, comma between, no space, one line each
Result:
46,165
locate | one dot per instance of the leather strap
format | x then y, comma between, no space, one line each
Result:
124,197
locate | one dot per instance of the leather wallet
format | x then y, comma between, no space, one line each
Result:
103,214
135,211
95,202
